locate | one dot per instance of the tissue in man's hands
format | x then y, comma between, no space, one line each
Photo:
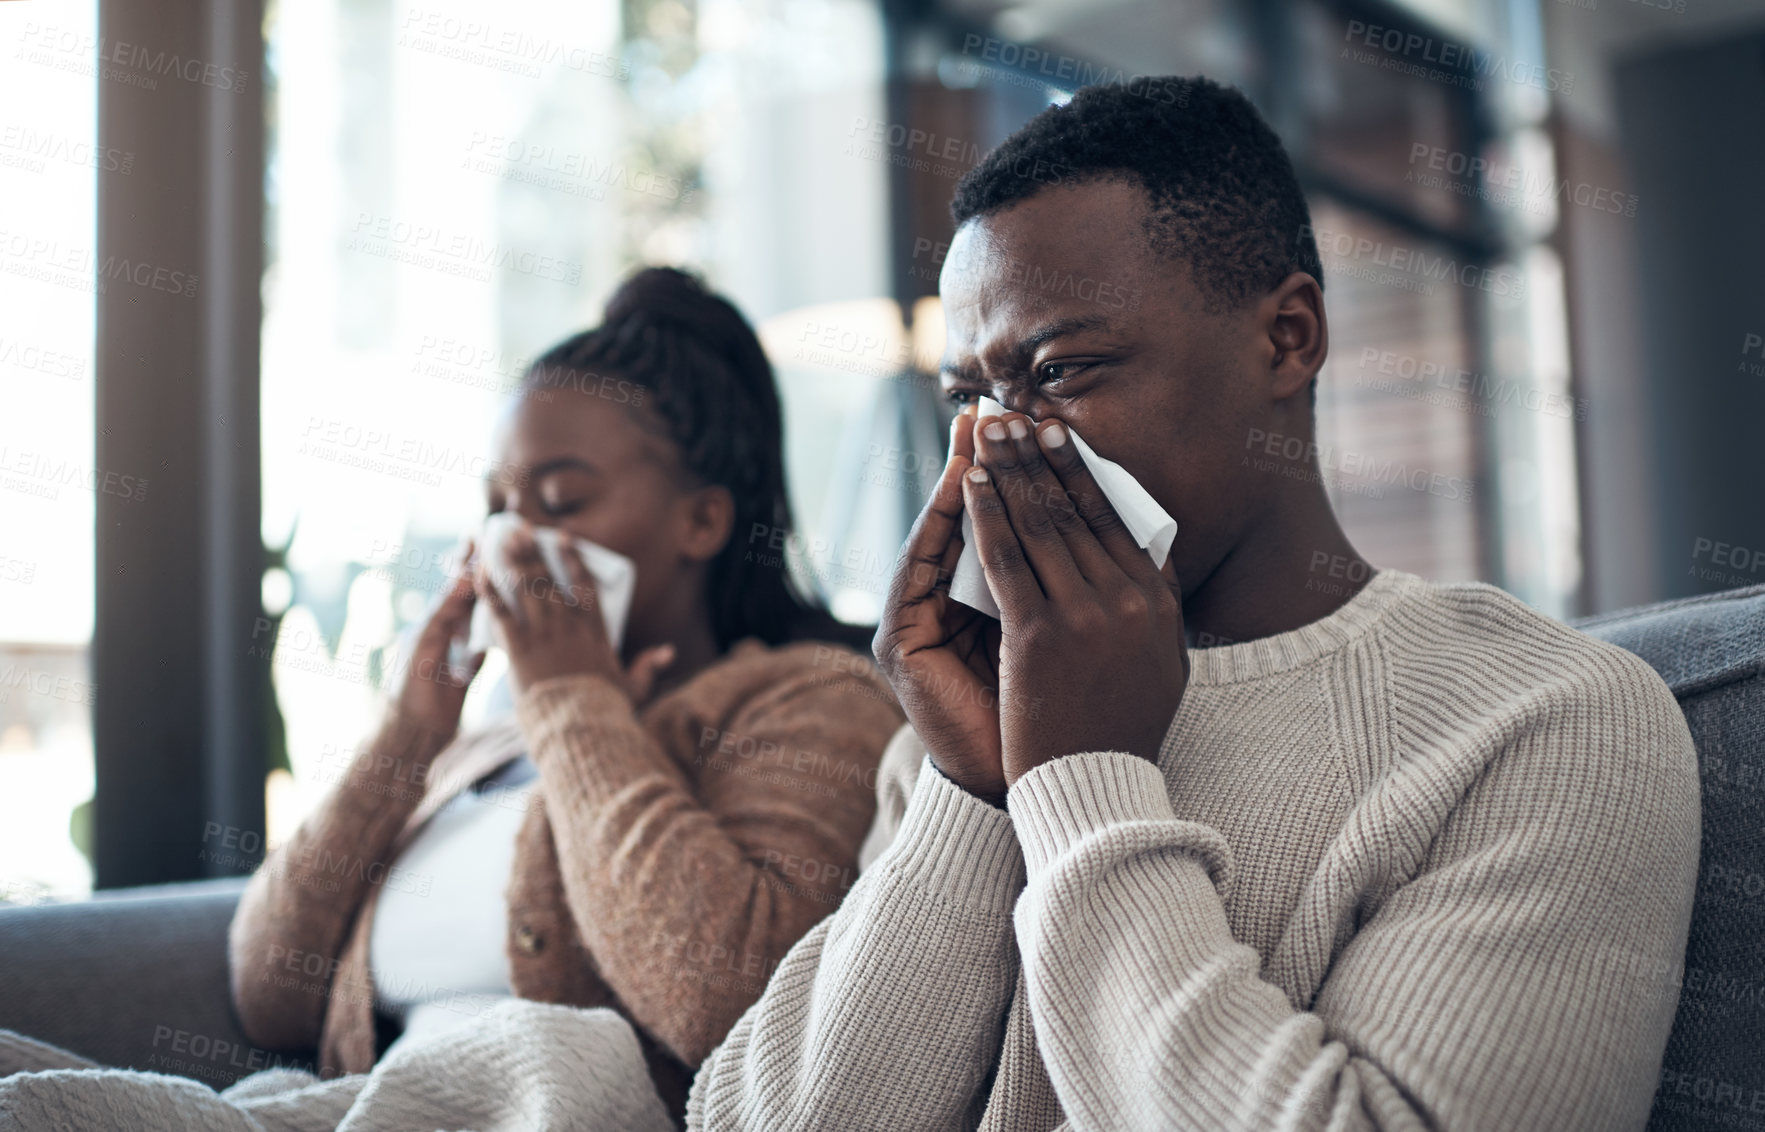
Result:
613,573
1151,526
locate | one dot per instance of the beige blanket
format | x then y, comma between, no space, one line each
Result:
521,1067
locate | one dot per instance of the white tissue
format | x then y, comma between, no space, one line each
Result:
1151,526
613,573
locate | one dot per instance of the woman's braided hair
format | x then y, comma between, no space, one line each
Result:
705,377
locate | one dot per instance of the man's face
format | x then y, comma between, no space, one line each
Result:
1056,307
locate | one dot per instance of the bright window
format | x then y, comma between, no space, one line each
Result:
49,166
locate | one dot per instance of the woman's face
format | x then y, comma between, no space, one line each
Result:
606,471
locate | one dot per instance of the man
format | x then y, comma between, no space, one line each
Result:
1402,855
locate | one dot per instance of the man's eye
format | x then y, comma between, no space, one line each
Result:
962,396
562,506
1055,371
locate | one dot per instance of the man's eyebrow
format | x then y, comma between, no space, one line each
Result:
1059,328
959,371
965,371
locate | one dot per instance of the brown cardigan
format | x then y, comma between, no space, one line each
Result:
670,858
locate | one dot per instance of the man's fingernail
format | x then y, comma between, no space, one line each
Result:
1054,435
977,475
1018,429
994,430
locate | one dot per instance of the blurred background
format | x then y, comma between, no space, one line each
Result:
270,271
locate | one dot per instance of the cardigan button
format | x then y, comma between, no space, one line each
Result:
529,940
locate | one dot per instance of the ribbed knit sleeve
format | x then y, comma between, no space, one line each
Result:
296,913
1518,978
688,891
889,1014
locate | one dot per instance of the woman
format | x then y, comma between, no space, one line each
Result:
652,830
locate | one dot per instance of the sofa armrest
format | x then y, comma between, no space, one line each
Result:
134,978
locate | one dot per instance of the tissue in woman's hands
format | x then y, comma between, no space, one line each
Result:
613,573
1151,526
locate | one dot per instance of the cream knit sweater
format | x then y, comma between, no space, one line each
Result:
1425,863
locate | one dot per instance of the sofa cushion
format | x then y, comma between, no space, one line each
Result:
133,978
1710,650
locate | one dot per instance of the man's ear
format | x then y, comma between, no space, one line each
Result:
1299,334
709,514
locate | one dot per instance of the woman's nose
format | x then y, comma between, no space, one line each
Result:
526,506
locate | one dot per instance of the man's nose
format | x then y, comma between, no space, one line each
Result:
1022,401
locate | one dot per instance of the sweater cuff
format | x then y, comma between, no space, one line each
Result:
585,713
1063,801
956,847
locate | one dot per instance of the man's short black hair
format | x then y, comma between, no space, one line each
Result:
1224,196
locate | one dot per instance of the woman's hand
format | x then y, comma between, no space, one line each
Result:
554,630
941,657
425,713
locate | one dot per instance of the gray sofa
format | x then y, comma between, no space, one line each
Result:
134,977
139,977
1711,651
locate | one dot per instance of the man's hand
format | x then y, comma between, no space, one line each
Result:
941,657
1092,657
554,630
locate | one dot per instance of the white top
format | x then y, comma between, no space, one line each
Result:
436,949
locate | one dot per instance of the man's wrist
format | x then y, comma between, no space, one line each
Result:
997,801
951,846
